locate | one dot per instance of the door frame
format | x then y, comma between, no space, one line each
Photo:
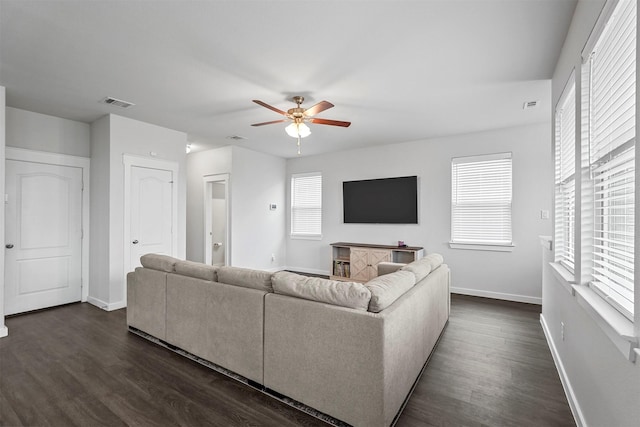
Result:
224,178
129,162
84,163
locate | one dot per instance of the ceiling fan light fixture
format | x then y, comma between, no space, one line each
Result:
296,130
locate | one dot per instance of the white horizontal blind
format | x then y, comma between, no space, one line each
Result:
565,147
481,199
306,204
613,77
612,70
613,271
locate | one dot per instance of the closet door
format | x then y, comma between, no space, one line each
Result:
43,235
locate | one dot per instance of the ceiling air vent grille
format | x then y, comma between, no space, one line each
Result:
529,104
117,102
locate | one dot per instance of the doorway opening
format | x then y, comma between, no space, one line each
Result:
217,250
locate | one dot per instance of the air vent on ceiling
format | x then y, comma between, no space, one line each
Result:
529,104
117,102
236,137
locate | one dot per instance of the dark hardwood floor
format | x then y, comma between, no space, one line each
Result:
77,365
492,367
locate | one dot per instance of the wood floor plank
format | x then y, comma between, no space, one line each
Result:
78,365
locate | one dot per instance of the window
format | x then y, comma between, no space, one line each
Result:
610,67
306,205
481,201
565,180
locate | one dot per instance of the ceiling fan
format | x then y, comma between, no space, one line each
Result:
298,116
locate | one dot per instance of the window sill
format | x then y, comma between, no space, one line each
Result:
618,328
306,236
564,276
481,247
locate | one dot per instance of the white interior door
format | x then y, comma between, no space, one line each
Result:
43,232
151,207
218,223
217,232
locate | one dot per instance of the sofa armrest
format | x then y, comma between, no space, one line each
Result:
389,267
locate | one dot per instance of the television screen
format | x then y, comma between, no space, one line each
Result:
381,201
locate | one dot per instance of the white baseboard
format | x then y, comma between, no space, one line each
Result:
497,295
106,306
308,270
4,331
564,379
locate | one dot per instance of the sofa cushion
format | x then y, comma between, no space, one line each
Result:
245,277
420,268
386,267
197,270
344,294
388,288
435,260
159,262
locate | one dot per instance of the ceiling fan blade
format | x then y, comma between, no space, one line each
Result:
268,123
269,107
318,108
330,122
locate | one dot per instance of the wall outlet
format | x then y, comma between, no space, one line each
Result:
544,214
562,330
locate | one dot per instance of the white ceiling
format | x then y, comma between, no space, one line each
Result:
398,70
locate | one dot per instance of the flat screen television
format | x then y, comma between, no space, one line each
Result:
381,201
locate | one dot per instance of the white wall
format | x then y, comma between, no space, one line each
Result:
603,387
256,180
200,164
3,329
99,212
34,131
125,136
508,275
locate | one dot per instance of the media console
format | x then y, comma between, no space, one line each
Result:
357,262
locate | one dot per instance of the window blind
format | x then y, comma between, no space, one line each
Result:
306,204
565,148
613,71
611,67
481,199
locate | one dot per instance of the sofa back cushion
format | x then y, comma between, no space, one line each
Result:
197,270
435,260
422,267
388,288
344,294
419,268
245,277
159,262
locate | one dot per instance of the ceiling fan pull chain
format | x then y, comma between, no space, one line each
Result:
298,145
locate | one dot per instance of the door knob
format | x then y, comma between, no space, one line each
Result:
9,246
135,242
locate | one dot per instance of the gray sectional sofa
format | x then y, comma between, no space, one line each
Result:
350,350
